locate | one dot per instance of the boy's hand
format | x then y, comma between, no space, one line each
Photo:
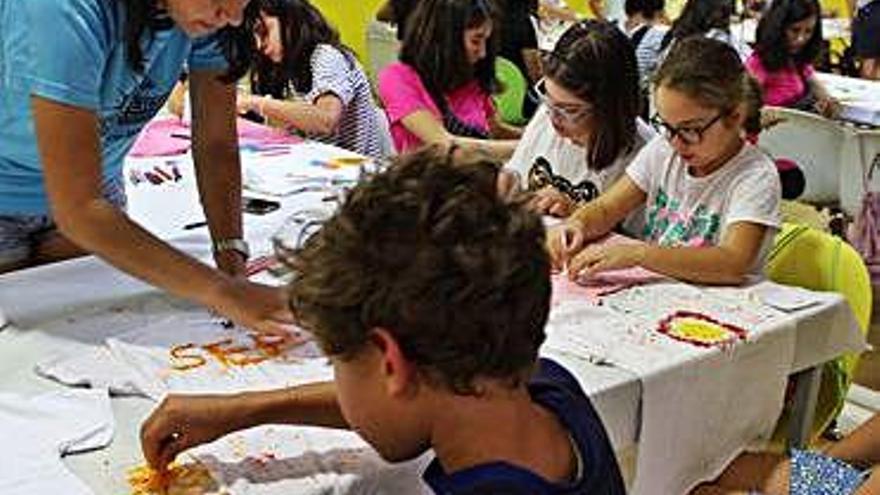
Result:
598,258
181,422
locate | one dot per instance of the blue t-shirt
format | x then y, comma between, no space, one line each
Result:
557,390
73,52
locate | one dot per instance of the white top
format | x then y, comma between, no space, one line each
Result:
567,160
683,210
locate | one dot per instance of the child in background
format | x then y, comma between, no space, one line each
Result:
587,131
644,26
429,294
712,199
709,18
305,79
789,39
848,467
440,92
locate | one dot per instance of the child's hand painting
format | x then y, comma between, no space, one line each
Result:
599,258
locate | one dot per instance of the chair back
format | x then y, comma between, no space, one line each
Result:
514,87
815,260
815,144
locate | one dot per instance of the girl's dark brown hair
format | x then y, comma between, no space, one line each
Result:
303,28
596,61
434,45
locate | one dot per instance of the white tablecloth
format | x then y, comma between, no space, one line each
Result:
80,303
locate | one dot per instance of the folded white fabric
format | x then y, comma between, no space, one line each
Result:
94,367
37,431
141,361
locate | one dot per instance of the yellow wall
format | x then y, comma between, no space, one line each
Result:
350,17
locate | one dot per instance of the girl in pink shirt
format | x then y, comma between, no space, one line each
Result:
789,39
440,90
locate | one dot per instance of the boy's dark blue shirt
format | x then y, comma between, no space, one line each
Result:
557,390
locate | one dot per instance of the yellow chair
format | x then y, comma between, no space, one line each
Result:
812,259
514,87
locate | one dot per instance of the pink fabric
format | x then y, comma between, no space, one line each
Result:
158,137
403,93
605,283
782,87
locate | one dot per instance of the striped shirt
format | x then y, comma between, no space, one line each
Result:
333,72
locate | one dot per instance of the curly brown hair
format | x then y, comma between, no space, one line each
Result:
428,251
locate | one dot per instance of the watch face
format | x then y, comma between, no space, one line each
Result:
257,206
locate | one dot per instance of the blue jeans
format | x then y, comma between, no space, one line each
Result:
20,234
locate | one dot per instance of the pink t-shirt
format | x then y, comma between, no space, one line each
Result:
403,93
782,87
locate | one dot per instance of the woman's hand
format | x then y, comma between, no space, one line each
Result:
258,307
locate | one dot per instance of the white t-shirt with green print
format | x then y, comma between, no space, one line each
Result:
683,210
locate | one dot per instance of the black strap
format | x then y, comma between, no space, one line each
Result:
639,35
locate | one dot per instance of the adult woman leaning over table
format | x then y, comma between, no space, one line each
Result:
79,79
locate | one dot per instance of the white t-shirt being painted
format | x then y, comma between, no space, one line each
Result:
543,156
683,210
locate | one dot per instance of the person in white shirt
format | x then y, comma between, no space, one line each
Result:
587,130
711,198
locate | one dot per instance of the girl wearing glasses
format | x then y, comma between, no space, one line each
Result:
587,130
440,90
711,199
789,40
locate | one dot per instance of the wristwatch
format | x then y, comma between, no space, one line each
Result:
238,245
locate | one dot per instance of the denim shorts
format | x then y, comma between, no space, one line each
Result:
20,234
816,474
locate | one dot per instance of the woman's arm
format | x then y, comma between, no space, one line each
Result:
424,125
69,147
217,163
321,117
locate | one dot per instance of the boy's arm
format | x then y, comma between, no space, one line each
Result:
184,421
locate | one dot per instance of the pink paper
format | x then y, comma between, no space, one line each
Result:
602,284
158,137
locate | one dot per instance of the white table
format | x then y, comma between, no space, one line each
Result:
859,98
40,303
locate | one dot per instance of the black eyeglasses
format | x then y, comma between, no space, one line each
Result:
689,135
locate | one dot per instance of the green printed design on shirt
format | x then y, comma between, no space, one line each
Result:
667,225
